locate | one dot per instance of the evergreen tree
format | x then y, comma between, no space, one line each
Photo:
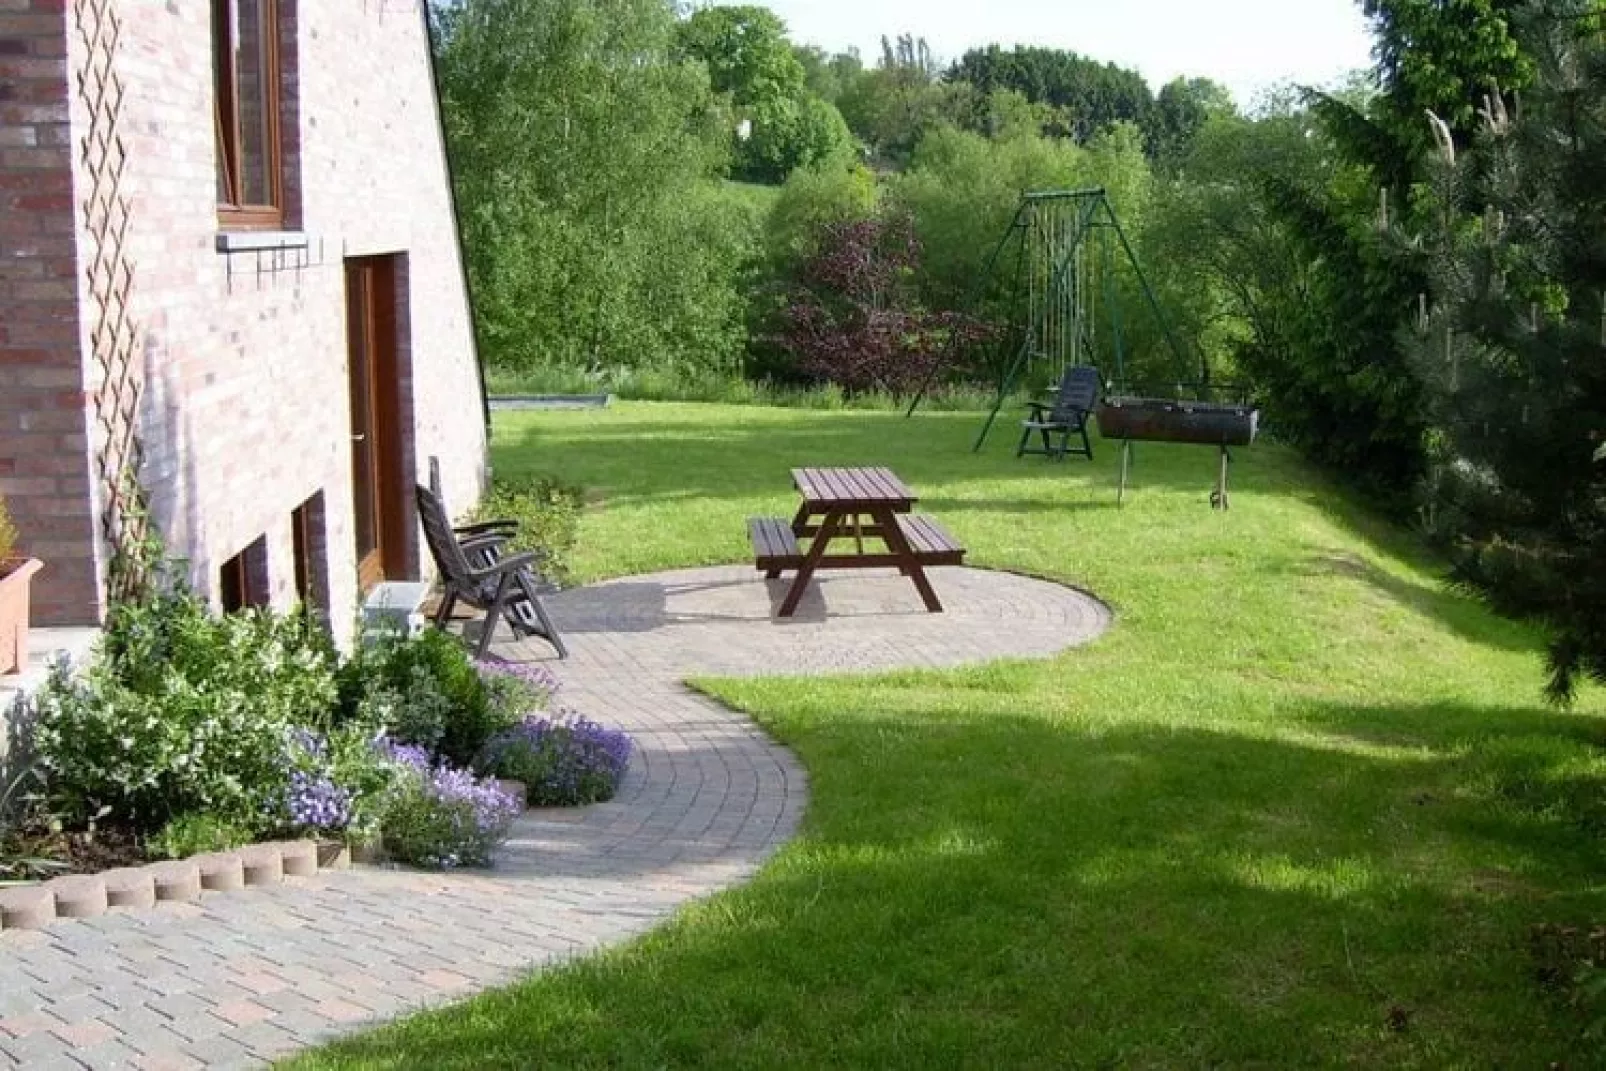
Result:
1512,344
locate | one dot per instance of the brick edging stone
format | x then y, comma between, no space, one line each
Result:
82,896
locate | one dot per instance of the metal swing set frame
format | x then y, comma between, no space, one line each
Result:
1066,246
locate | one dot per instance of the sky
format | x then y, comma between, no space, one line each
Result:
1247,45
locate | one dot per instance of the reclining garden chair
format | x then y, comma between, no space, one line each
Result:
475,570
1055,422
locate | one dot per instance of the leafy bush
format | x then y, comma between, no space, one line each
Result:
181,713
789,134
192,834
443,818
339,783
547,511
562,763
424,691
813,199
8,532
413,709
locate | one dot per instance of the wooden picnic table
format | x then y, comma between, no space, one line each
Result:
856,504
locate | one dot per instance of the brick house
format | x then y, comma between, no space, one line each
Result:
229,267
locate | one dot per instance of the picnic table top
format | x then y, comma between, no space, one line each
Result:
868,487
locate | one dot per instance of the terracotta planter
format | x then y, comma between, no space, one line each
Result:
15,580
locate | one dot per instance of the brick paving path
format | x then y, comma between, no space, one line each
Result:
241,978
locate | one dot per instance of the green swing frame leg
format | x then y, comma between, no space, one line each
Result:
1005,386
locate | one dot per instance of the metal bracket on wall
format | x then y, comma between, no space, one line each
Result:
263,254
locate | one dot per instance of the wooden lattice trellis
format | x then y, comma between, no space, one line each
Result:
113,333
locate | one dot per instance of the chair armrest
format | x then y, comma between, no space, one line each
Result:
481,527
1039,408
485,541
510,564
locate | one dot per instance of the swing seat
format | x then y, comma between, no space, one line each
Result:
1053,423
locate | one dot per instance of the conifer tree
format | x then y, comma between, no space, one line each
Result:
1511,343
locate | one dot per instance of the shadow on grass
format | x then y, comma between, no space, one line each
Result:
1463,614
992,890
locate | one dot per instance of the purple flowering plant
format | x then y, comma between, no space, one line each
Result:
310,801
519,688
314,802
411,756
336,783
442,818
563,761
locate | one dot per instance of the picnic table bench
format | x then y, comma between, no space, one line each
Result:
856,504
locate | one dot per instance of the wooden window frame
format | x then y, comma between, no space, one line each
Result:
234,585
232,215
243,582
301,550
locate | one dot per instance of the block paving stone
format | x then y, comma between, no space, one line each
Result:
240,979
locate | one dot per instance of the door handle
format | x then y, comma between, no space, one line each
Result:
360,438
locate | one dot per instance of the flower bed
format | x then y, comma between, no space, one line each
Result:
191,733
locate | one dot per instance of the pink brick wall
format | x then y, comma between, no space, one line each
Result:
245,411
44,457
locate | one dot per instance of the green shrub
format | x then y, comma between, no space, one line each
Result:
424,691
443,818
814,198
192,834
181,712
340,783
413,710
729,390
547,511
8,532
357,764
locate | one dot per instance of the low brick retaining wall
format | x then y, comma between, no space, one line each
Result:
82,896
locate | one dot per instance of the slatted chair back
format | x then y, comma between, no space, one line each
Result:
443,545
1078,394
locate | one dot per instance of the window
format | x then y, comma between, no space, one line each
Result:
248,76
243,580
309,545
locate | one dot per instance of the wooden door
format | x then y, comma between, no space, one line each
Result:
378,483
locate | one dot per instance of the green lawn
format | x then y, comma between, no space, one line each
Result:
1300,806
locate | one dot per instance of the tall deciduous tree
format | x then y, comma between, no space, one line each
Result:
747,53
785,124
1444,56
582,147
1181,110
1095,95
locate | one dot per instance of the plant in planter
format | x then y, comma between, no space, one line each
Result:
16,579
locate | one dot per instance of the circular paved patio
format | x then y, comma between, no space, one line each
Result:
239,979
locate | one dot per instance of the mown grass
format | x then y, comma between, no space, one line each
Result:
671,385
1300,806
